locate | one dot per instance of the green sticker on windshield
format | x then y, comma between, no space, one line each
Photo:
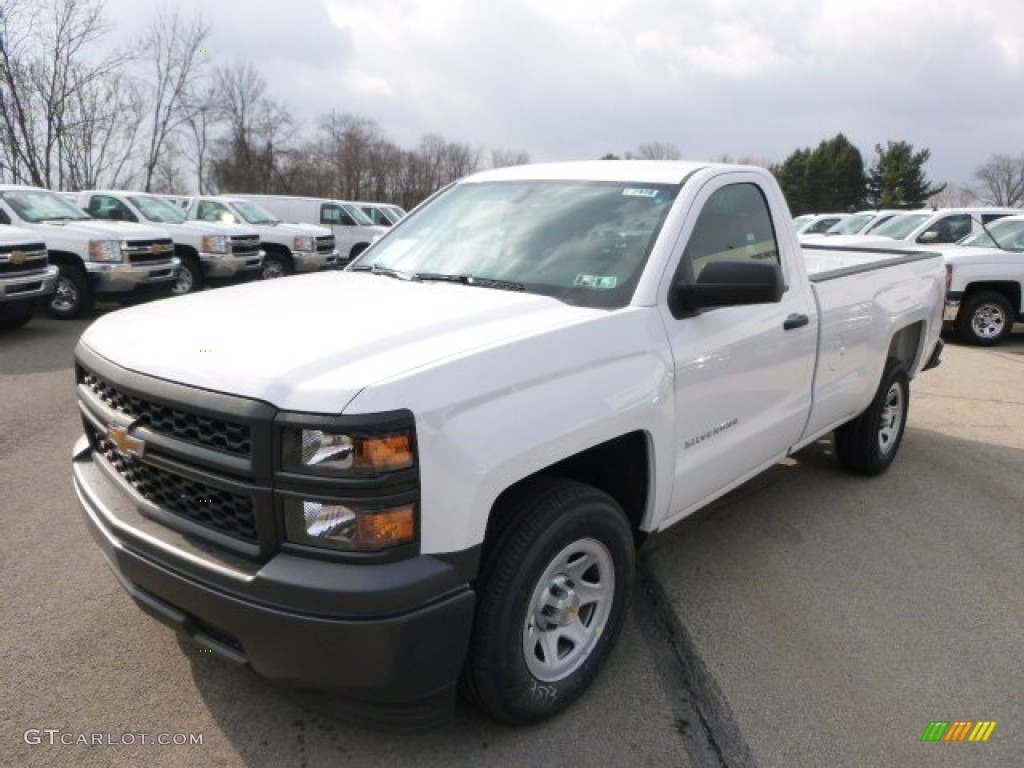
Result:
635,192
597,282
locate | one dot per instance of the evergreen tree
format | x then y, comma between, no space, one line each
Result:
835,176
792,178
897,179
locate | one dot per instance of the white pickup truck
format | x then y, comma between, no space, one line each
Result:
27,280
985,282
118,261
447,475
209,251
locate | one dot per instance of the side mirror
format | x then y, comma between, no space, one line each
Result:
931,236
727,284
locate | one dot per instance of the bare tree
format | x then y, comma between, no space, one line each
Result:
503,158
202,113
954,196
173,47
1001,180
43,63
259,131
655,150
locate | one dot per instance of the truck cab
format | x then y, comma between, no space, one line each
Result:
210,252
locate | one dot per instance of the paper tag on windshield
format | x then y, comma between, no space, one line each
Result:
637,192
597,282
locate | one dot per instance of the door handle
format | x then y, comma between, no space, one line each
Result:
795,321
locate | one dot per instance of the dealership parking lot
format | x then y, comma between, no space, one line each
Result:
810,618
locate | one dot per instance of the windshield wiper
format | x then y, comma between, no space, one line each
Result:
479,282
376,269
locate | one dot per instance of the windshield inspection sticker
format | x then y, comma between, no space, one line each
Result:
634,192
598,282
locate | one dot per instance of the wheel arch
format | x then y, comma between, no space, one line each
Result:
620,467
905,346
1008,288
67,258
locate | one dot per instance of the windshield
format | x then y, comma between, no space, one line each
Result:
900,227
584,243
851,225
357,215
37,205
253,213
157,210
823,224
1008,234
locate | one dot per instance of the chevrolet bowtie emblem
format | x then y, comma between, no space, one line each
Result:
158,248
17,257
125,444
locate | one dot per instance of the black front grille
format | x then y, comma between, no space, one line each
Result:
219,434
26,267
214,508
244,244
150,251
325,244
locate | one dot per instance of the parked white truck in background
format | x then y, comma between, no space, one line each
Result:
353,230
548,365
289,248
27,280
985,282
95,259
209,252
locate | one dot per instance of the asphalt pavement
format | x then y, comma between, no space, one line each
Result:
808,619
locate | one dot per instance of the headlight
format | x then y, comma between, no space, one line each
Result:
304,244
340,525
352,453
104,250
215,243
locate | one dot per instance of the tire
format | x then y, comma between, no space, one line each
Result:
868,444
190,277
985,318
551,601
74,296
275,265
14,318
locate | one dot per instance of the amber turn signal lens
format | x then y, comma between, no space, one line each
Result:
395,526
387,452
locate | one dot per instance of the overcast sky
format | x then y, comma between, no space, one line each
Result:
575,79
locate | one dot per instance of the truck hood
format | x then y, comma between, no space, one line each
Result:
199,228
102,230
17,235
313,342
292,229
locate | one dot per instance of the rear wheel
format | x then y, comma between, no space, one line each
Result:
868,444
984,319
73,297
551,602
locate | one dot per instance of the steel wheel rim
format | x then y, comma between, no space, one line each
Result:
892,418
66,297
568,610
184,282
988,321
272,269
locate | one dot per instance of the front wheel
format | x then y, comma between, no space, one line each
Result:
74,296
190,276
868,444
275,265
984,319
551,601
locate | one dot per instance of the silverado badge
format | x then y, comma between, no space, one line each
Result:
125,444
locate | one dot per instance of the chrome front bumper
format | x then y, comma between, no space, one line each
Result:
226,265
127,278
24,287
